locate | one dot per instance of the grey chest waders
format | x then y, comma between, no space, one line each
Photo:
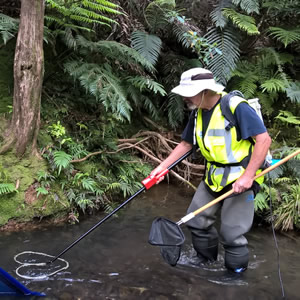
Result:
169,236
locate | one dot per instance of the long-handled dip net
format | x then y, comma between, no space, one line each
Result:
169,236
33,265
37,265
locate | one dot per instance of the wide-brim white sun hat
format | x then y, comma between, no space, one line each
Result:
194,81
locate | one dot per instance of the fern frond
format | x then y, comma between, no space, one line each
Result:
245,23
8,27
116,51
288,117
175,110
68,38
156,16
141,100
61,159
285,36
148,104
217,16
102,5
41,191
274,84
7,188
89,16
181,35
58,7
143,83
249,6
227,41
248,86
285,8
293,91
269,57
81,13
149,46
113,186
88,184
106,87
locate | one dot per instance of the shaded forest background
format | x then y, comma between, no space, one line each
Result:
86,120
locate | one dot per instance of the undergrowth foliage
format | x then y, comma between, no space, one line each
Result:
109,76
86,185
79,14
6,186
282,186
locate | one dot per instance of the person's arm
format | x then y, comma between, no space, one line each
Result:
182,148
261,147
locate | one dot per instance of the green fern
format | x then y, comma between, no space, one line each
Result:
249,6
83,202
147,103
156,14
228,42
175,110
293,91
264,77
104,85
143,83
41,191
247,79
112,50
288,213
288,117
8,27
285,36
260,203
217,16
149,46
274,84
286,9
7,188
89,184
77,14
115,90
245,23
61,160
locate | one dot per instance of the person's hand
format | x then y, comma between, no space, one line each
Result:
156,172
242,184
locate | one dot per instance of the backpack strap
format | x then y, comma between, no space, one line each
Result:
229,116
226,111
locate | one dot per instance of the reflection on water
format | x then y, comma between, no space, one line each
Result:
116,261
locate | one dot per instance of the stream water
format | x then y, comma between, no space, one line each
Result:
116,261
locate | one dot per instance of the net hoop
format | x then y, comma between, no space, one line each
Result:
22,265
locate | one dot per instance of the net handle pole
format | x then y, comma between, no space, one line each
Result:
229,193
122,205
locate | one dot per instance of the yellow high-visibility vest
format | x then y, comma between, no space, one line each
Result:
227,158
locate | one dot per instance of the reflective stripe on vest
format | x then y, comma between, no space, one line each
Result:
221,149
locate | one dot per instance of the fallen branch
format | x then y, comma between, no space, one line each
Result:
154,146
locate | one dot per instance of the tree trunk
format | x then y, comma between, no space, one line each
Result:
28,78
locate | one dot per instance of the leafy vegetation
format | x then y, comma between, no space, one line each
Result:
282,187
6,187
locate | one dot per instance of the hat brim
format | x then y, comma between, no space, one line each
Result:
191,91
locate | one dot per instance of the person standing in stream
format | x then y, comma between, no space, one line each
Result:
234,155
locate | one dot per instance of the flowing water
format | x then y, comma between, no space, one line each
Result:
116,261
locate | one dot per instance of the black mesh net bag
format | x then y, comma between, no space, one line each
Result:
169,237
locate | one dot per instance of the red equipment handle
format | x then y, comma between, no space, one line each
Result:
149,182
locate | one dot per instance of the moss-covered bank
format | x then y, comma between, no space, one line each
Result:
21,206
24,205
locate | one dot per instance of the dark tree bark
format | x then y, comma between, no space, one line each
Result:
28,78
